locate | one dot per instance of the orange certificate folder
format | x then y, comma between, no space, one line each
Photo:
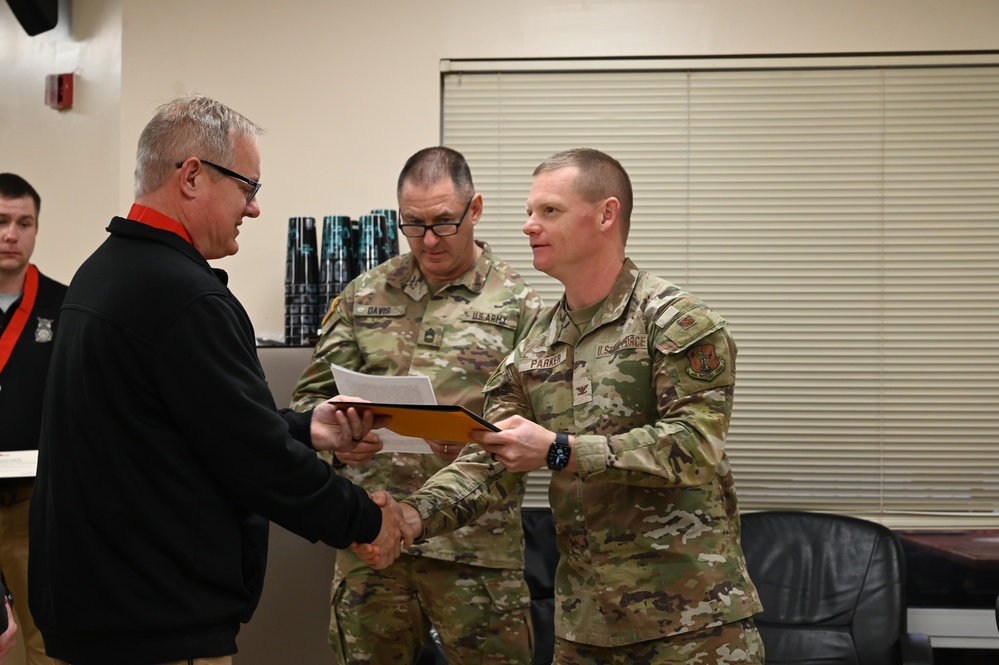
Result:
428,421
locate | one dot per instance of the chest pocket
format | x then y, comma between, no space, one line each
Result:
478,336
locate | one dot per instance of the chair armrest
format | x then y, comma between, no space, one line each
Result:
916,649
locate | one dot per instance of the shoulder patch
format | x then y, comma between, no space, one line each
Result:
331,310
683,326
704,363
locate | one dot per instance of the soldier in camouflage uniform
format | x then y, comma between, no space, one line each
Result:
451,311
624,389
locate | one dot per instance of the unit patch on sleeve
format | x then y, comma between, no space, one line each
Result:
704,363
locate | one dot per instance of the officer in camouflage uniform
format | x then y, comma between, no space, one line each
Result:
624,389
451,311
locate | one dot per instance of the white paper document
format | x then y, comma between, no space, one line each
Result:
392,390
18,464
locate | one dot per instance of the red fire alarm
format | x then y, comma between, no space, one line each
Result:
59,91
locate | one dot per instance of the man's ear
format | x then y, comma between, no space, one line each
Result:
609,211
475,210
188,177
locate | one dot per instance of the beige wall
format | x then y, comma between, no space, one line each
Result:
347,90
71,157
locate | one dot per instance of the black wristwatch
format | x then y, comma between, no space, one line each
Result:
559,453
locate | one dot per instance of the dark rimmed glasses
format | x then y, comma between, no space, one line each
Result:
254,185
440,229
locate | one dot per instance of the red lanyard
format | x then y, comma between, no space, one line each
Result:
20,318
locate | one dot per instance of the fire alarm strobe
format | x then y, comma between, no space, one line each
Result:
59,91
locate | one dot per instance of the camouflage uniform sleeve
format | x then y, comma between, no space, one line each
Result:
473,483
461,492
505,396
337,345
693,380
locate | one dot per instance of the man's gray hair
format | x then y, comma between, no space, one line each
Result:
194,126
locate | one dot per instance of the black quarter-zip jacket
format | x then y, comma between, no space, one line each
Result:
160,448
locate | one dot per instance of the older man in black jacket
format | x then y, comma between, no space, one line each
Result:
161,446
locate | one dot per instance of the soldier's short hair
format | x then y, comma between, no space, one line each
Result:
431,165
600,177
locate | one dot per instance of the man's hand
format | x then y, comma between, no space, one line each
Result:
8,638
362,451
395,535
340,429
410,528
412,523
446,450
520,445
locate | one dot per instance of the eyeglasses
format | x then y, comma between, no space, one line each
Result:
440,229
254,185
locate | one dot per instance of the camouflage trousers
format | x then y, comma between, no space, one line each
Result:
383,617
736,643
220,660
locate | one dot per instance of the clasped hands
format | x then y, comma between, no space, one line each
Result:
401,526
521,445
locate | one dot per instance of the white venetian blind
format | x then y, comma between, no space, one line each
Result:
844,219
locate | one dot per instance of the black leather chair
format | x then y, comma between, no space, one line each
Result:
540,559
833,590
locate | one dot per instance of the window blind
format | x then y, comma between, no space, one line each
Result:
843,218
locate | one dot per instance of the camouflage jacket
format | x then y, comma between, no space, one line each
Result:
386,322
648,528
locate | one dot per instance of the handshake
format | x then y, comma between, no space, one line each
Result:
347,433
401,526
520,445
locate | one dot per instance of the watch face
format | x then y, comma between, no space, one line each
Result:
558,456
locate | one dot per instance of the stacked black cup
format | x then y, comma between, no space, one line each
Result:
391,244
336,259
371,243
301,290
315,277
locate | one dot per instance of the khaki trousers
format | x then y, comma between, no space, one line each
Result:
14,506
